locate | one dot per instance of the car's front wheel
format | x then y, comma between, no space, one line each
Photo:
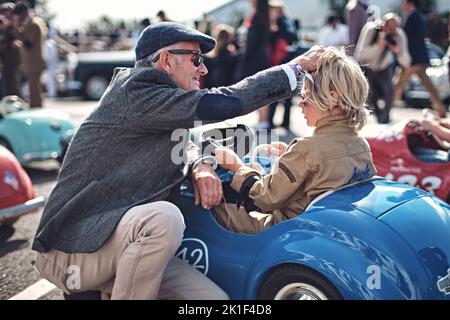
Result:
295,282
95,86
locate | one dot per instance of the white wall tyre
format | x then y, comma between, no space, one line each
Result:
296,282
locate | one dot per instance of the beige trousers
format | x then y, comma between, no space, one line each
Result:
137,261
34,84
420,70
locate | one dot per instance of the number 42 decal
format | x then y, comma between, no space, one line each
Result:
429,184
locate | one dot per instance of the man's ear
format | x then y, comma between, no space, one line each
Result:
165,62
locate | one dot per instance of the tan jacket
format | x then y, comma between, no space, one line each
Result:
333,157
33,36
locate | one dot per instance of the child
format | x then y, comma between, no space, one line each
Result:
333,101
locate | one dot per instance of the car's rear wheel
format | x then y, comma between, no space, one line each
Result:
95,86
295,282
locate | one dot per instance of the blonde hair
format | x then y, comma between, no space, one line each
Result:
338,72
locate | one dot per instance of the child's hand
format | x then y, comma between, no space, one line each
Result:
278,148
227,159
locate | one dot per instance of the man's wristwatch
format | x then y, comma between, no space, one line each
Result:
298,70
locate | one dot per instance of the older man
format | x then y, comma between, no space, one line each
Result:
108,223
379,46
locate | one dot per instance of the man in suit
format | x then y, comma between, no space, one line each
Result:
109,218
32,31
415,29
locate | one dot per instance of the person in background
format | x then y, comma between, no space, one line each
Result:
222,59
415,29
9,52
256,56
380,46
32,32
283,36
207,25
334,33
356,19
52,55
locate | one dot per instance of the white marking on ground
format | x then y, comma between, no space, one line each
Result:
35,291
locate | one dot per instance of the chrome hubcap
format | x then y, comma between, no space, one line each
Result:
300,291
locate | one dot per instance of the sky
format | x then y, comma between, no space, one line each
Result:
71,15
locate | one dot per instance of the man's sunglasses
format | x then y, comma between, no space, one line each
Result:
197,60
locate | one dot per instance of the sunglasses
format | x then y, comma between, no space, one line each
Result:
197,58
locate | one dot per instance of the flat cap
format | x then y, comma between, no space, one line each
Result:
163,34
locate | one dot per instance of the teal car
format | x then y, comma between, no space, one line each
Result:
34,135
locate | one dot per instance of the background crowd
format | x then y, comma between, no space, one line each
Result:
391,49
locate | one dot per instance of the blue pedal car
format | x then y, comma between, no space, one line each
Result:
377,239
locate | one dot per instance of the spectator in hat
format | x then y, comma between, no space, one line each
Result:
112,213
32,31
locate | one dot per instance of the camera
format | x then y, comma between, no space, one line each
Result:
390,39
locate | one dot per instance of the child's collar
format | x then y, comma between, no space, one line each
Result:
333,123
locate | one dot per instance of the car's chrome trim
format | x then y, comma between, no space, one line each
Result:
21,209
35,156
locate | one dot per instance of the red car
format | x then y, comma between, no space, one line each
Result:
17,195
407,154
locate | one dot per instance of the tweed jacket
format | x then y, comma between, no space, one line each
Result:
122,155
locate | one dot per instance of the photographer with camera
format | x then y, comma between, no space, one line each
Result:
380,46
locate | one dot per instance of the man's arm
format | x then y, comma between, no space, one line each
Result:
367,49
163,107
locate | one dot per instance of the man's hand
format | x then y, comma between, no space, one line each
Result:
228,159
207,186
308,61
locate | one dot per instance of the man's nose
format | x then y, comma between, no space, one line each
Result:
203,70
